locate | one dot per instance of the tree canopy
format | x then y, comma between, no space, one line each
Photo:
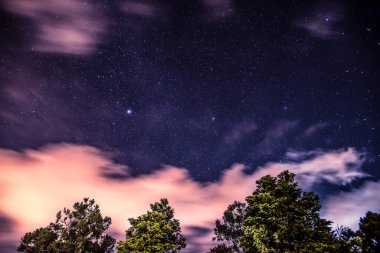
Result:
280,217
369,232
277,217
81,230
229,229
154,232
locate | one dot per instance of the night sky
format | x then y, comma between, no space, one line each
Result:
201,85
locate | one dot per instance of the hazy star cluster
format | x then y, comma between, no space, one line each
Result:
201,85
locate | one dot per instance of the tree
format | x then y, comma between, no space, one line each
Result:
222,248
369,232
229,229
346,240
154,232
281,218
81,230
40,240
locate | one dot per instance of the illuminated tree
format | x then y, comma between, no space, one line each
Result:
281,218
154,232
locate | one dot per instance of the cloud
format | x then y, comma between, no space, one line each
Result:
67,27
44,181
27,109
323,21
337,166
7,242
313,129
346,208
274,138
142,8
239,132
218,9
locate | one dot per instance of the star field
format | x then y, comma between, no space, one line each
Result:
198,87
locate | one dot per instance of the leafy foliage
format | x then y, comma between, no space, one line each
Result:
229,229
80,230
278,217
282,218
40,240
346,240
369,232
222,248
154,232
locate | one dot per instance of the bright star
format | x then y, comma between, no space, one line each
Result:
129,111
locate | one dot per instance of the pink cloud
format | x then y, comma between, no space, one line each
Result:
68,27
35,184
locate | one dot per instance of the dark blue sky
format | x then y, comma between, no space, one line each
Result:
208,84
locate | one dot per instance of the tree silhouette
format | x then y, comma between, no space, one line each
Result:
369,232
81,230
229,229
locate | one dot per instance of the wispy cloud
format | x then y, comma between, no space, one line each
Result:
274,137
142,8
67,27
240,131
26,109
323,21
336,166
347,207
43,181
218,9
313,129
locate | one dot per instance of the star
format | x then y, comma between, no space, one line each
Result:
129,111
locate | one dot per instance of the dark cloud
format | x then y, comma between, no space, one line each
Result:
8,247
199,231
7,243
6,224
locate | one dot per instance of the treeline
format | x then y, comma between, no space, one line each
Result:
277,217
